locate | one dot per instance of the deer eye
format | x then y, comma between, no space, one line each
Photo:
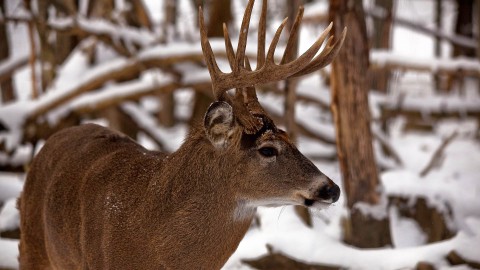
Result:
268,151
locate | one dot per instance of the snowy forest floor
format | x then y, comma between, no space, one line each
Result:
452,187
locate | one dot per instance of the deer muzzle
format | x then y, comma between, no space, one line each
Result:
327,193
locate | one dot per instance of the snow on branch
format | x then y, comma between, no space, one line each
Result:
431,106
146,123
463,41
8,66
123,38
386,59
114,94
116,69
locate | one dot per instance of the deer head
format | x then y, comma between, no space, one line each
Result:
239,124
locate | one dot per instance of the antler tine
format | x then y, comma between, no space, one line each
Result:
262,29
229,48
250,97
325,57
213,68
242,41
302,61
293,35
273,45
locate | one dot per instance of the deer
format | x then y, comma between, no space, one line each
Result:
95,199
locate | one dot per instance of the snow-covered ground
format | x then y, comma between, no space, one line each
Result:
456,182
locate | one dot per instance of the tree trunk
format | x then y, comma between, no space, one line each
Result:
220,12
65,42
166,113
117,119
463,27
438,43
138,15
47,51
32,58
291,84
381,40
478,37
352,121
6,86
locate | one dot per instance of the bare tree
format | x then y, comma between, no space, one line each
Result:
352,121
6,86
166,114
381,40
138,15
463,27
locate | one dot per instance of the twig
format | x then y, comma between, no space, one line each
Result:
438,154
389,149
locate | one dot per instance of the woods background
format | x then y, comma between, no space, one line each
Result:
137,67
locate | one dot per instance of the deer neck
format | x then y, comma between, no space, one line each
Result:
203,201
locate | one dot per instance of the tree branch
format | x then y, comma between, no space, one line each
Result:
389,60
454,39
438,155
9,66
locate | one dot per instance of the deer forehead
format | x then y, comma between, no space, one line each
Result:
273,136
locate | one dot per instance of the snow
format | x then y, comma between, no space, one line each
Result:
384,58
407,233
149,82
9,216
98,26
280,229
174,136
11,184
10,187
8,253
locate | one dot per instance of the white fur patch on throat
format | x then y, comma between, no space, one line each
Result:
243,211
246,209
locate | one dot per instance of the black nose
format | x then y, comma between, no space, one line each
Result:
329,192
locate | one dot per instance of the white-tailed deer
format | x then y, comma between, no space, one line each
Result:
95,199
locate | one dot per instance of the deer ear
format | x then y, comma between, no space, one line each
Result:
220,125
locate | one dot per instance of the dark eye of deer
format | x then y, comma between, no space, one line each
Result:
268,151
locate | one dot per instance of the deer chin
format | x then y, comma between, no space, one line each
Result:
317,204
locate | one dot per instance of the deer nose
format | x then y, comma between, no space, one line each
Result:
329,192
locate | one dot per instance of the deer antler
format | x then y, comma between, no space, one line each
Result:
244,79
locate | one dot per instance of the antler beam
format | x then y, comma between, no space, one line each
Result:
243,78
267,70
